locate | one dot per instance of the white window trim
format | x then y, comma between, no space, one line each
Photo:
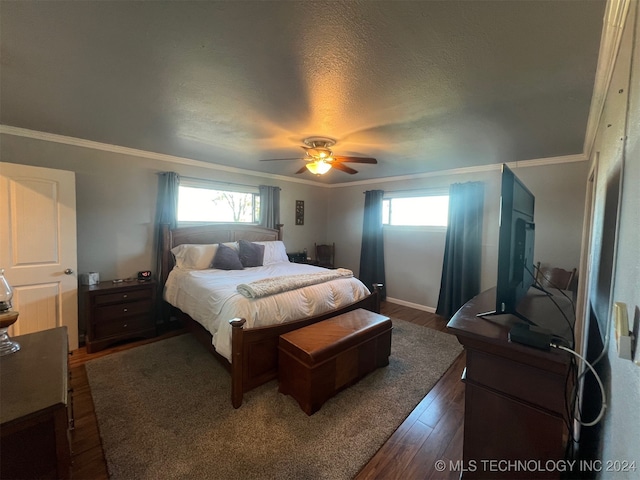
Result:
428,192
212,185
418,193
191,182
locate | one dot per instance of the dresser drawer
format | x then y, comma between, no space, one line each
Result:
121,310
129,296
122,326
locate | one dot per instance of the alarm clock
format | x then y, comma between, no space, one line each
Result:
144,275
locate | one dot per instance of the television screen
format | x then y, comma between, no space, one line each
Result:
515,243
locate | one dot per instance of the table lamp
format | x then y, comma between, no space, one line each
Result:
7,317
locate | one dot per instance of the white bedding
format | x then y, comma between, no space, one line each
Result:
210,297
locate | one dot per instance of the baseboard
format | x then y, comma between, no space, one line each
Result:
417,306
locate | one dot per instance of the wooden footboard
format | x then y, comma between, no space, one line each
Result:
254,351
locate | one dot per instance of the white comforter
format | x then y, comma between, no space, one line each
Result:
210,297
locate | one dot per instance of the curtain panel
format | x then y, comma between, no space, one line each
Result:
166,214
463,248
372,250
269,206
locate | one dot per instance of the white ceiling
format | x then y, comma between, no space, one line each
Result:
421,85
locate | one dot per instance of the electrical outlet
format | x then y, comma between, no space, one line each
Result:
624,338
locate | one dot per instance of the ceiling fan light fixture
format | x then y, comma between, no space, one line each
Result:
320,159
319,153
318,167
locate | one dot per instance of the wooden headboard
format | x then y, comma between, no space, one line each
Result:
209,234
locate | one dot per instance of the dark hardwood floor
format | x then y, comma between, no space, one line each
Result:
432,431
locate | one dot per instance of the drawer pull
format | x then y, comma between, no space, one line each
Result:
125,295
124,326
125,309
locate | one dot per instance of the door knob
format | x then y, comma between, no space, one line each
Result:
68,271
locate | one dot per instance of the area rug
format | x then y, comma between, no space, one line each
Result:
164,412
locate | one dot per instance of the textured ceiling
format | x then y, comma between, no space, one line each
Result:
421,86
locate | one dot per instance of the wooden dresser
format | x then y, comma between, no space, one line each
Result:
113,312
514,394
35,407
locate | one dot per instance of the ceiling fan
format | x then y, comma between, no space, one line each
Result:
320,159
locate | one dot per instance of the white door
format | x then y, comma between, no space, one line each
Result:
38,247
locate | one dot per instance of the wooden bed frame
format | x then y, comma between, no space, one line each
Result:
254,351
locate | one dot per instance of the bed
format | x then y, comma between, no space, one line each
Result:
251,351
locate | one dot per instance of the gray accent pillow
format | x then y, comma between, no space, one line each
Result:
226,258
251,254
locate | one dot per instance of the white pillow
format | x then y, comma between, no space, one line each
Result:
274,252
197,257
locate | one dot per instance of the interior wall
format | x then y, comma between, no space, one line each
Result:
618,149
116,202
560,193
116,197
413,256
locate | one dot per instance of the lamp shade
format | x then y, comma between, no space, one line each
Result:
318,167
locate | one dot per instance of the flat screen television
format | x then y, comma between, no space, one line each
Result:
515,244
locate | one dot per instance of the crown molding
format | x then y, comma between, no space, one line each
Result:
470,170
79,142
106,147
615,17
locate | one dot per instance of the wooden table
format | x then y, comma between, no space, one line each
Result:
33,407
514,394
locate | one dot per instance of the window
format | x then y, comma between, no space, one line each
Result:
201,201
425,211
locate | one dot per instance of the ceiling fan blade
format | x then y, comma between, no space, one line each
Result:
341,158
344,168
277,159
302,170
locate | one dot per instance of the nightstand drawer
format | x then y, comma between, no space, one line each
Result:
129,296
114,312
121,310
122,326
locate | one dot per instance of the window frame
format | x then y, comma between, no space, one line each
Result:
390,196
220,187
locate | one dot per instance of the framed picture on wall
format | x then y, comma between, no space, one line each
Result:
299,212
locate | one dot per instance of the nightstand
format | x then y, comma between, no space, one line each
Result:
117,311
298,257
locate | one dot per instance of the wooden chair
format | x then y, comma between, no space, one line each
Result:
554,277
325,255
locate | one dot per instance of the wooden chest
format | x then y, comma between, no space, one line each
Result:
318,361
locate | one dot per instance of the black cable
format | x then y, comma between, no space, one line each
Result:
600,384
550,296
558,338
569,405
578,377
561,290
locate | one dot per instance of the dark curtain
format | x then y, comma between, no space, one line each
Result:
372,251
166,213
463,248
269,206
